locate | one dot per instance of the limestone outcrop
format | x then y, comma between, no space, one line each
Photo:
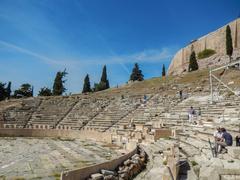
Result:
216,41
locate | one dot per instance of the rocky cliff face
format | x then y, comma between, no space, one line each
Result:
215,40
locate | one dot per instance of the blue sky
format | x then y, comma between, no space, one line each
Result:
40,37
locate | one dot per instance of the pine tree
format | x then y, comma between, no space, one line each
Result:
87,85
136,74
2,91
163,71
193,65
229,46
58,86
45,92
24,91
8,89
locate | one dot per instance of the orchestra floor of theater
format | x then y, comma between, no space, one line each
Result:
46,158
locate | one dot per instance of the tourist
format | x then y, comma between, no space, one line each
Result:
191,113
199,111
180,95
217,134
144,98
238,140
217,137
225,141
199,115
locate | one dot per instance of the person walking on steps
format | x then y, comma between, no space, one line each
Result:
191,113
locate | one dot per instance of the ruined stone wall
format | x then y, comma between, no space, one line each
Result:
162,133
215,40
84,173
83,134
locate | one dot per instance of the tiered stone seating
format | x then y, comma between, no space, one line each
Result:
194,144
85,110
149,111
17,116
116,111
211,114
51,112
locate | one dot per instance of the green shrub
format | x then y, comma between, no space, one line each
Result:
194,163
165,162
206,53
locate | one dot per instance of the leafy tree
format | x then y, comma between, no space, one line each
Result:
163,71
229,46
95,87
58,86
193,65
26,90
136,74
2,91
45,92
87,85
8,89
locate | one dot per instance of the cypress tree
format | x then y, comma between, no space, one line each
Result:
193,65
2,91
104,83
58,86
87,85
32,90
136,74
45,92
163,71
229,46
8,89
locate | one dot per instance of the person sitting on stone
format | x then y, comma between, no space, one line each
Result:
225,141
238,140
217,134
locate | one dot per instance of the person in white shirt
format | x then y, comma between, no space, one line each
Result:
217,134
191,113
217,137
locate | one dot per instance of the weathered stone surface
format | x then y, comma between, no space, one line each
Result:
127,162
97,176
234,152
107,172
214,40
207,173
110,177
230,177
46,157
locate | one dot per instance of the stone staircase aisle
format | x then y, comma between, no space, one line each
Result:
83,112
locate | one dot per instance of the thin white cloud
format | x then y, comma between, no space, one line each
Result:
146,56
152,55
43,58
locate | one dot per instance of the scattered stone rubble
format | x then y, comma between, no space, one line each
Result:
126,171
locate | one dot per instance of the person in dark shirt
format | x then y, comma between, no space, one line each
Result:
238,140
227,137
180,95
225,141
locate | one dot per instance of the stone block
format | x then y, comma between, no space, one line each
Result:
230,177
234,152
97,176
107,172
207,173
